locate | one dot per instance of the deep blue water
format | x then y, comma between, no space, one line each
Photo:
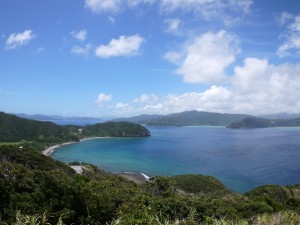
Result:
241,159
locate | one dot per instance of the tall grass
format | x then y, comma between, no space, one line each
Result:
280,218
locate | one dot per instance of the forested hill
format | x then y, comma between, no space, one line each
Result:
257,122
188,118
35,189
15,129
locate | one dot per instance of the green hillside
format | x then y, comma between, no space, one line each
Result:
115,129
257,122
188,118
35,189
15,129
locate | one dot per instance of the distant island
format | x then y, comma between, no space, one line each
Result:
196,118
257,122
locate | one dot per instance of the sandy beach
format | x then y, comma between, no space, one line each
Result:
91,138
51,149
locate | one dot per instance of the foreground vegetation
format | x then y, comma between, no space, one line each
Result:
35,189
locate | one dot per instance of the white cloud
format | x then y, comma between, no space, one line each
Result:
173,57
284,18
121,105
144,99
173,25
98,6
135,3
113,6
103,98
265,88
18,39
123,46
79,35
207,57
256,87
82,51
251,75
208,9
292,42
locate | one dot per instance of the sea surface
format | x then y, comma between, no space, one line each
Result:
242,159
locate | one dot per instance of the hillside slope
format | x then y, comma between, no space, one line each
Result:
257,122
15,129
188,118
34,187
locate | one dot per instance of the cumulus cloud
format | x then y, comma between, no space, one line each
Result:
255,87
98,6
121,105
123,46
19,39
173,25
208,9
103,98
284,18
113,6
81,51
259,86
144,99
206,58
79,35
292,39
173,57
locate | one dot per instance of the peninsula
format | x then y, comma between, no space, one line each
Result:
41,135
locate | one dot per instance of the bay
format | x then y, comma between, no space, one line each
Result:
241,159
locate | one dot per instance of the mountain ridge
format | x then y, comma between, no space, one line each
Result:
187,118
258,122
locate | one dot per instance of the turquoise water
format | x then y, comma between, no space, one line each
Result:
241,159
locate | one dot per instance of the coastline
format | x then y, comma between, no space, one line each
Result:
91,138
51,149
138,178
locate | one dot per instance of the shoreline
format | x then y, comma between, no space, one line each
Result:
51,149
137,177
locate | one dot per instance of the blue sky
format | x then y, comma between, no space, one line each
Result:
114,58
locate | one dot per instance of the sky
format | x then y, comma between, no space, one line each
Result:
120,58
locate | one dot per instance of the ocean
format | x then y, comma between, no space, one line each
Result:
242,159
